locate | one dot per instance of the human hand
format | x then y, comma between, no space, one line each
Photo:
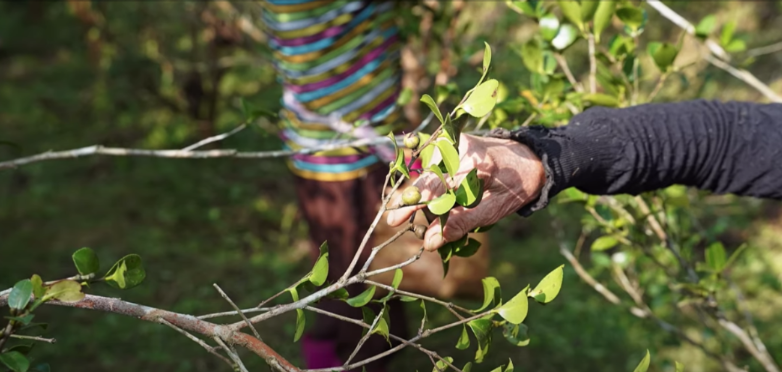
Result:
512,177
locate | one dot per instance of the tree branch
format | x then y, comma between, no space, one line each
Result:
238,311
199,341
183,321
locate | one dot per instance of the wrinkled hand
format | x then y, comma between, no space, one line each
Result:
512,176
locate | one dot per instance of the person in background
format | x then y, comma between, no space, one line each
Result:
339,66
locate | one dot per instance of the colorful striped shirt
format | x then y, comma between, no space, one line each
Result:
338,63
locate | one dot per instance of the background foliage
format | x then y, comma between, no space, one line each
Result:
125,74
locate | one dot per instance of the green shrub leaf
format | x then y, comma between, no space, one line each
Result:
549,25
548,288
363,298
126,273
603,15
516,334
442,204
706,26
532,56
644,365
38,288
604,242
515,310
427,99
86,261
464,340
15,361
716,257
492,294
449,154
470,190
663,54
20,294
65,291
321,269
482,100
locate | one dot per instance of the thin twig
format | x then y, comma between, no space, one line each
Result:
449,305
216,138
35,338
383,245
562,62
199,341
238,311
395,337
231,313
768,49
231,353
657,87
763,358
592,64
364,339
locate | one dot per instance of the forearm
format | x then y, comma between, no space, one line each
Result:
722,147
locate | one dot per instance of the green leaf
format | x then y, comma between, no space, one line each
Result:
321,269
565,37
15,361
706,26
436,170
382,326
603,15
549,25
644,365
515,310
532,56
715,256
604,242
601,99
427,99
441,366
663,54
470,190
407,298
446,252
632,17
679,367
483,228
516,334
736,46
727,33
25,320
486,59
426,155
482,99
467,367
509,368
481,328
492,294
404,97
301,319
339,294
588,8
424,320
468,249
86,261
442,204
20,294
464,340
394,283
126,273
65,291
548,288
38,288
449,154
572,11
363,298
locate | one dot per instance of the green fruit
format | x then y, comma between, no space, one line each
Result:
411,195
419,231
412,140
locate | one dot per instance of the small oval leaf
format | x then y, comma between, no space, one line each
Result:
65,291
15,360
449,154
565,37
644,365
482,99
363,298
549,287
442,204
515,310
603,15
427,99
464,340
549,25
604,242
20,294
86,261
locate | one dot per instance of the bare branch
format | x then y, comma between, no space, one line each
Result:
364,339
183,321
449,305
36,338
592,64
199,341
569,74
768,49
230,313
231,353
216,138
238,311
763,358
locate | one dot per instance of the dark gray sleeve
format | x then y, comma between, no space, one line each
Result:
731,147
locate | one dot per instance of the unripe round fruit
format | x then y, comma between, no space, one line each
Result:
411,195
419,231
412,140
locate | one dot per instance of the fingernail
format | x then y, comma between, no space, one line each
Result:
435,241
